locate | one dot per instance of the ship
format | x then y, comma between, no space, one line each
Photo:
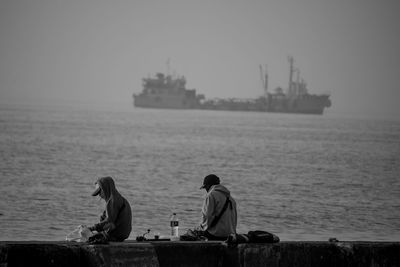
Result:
166,91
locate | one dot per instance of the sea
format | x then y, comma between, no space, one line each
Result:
301,177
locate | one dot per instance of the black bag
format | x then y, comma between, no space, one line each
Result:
259,236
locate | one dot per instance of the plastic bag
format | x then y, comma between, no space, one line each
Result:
80,234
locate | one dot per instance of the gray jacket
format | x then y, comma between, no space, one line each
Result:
212,206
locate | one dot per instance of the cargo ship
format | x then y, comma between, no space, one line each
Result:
166,91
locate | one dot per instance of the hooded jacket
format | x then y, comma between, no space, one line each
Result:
116,221
212,207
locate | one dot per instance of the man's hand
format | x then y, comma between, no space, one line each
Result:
198,228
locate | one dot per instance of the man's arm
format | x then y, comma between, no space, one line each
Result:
207,212
108,222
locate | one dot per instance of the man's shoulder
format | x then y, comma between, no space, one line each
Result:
218,194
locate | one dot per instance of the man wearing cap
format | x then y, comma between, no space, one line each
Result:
219,215
116,221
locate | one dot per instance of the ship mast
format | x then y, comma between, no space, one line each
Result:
168,67
264,79
290,58
297,87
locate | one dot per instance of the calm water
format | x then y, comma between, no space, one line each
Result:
302,177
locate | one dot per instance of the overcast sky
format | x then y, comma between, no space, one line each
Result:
96,52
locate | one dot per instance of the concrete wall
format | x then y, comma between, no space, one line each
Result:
131,253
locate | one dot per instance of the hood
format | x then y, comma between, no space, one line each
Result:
107,185
220,188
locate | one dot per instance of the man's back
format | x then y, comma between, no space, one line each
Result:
212,207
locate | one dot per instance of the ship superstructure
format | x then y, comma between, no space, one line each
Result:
296,99
165,91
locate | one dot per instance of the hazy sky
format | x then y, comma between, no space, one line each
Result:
96,52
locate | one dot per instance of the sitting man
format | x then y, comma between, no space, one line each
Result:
116,221
219,215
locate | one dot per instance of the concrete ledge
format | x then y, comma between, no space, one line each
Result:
132,253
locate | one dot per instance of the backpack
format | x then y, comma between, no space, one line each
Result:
259,236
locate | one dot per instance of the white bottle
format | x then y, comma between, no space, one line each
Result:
174,225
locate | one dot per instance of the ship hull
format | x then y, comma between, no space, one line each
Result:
164,102
309,104
305,104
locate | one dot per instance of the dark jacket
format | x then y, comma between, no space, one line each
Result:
116,221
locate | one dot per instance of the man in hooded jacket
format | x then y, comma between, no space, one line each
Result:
116,221
219,215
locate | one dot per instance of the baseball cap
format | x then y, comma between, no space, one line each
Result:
210,179
97,190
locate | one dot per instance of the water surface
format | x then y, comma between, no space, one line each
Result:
302,177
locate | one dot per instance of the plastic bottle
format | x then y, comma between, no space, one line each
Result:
174,225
